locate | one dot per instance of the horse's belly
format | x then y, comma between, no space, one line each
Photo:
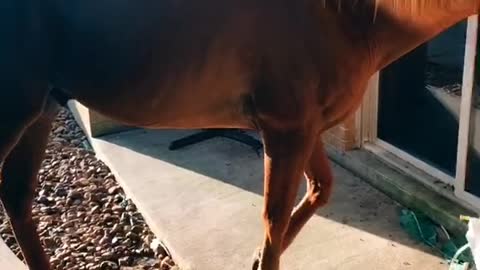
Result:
199,111
170,108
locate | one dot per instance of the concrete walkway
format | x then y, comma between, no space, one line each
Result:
204,201
8,260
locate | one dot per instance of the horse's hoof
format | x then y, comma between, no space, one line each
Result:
256,259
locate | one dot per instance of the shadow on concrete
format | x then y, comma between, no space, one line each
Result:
354,202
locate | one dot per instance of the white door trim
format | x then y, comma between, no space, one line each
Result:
465,111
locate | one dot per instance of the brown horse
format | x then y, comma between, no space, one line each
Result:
290,69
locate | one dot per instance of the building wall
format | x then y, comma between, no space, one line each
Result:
343,137
93,123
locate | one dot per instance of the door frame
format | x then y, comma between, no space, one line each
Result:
468,84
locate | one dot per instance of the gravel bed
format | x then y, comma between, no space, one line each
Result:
84,219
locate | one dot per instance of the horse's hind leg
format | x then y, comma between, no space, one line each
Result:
19,180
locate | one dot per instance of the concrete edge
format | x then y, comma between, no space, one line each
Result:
157,231
9,260
404,189
81,116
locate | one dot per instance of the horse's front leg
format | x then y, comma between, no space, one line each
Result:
17,189
319,178
286,153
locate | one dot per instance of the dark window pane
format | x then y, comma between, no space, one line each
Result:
419,100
